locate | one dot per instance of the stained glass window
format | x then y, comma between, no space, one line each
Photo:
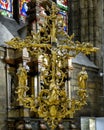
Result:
63,4
6,7
23,9
63,15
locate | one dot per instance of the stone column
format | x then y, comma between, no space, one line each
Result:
3,91
75,14
84,19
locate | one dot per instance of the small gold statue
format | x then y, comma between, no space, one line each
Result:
22,75
82,78
22,87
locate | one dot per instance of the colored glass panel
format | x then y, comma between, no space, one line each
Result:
63,14
23,7
6,5
63,4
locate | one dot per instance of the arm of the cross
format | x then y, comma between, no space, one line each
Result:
74,49
16,43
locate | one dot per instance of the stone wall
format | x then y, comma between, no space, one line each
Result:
92,30
75,19
3,92
91,13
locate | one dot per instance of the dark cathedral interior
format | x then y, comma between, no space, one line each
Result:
45,46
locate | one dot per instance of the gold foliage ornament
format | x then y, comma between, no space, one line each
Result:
56,47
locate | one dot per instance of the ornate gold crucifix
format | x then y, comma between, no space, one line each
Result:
55,47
